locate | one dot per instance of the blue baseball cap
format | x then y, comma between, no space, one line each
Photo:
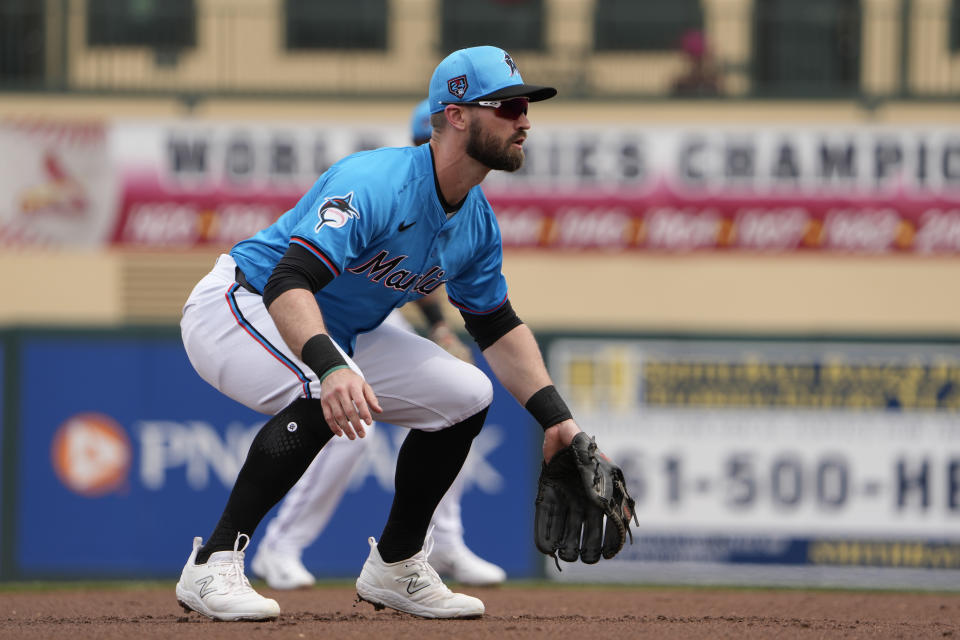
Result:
480,73
420,128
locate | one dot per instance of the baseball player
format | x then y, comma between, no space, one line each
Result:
290,323
308,506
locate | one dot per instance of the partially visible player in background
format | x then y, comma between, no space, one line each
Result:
310,504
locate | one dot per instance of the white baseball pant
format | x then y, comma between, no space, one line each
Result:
233,344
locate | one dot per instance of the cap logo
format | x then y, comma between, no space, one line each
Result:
510,63
457,86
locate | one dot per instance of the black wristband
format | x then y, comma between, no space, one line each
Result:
320,354
547,407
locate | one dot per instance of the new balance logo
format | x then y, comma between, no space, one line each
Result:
205,587
413,583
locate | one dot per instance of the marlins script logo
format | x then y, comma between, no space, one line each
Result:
336,211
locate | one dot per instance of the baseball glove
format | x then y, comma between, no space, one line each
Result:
578,487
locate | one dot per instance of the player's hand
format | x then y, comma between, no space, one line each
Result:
347,399
449,342
557,437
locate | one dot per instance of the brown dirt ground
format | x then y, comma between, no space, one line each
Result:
513,611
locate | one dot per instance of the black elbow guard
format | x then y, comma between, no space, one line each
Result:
488,328
297,269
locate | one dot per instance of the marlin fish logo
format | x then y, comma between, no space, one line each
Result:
336,211
510,63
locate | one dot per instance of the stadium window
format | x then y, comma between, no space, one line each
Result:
651,25
513,25
21,41
335,24
806,48
161,24
955,25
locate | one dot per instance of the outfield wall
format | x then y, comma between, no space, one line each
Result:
774,460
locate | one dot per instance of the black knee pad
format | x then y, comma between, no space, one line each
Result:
297,432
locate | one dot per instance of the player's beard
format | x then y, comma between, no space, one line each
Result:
486,149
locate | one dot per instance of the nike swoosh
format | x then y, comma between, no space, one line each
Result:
404,227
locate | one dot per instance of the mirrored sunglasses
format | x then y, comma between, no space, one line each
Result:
510,109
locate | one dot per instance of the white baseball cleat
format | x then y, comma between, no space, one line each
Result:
281,570
412,586
459,563
219,589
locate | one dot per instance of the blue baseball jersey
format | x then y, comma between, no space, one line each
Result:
374,219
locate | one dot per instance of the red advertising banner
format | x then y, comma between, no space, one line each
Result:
673,223
189,184
851,189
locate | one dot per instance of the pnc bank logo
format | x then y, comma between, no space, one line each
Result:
91,454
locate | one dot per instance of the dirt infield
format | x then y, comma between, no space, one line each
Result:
513,611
